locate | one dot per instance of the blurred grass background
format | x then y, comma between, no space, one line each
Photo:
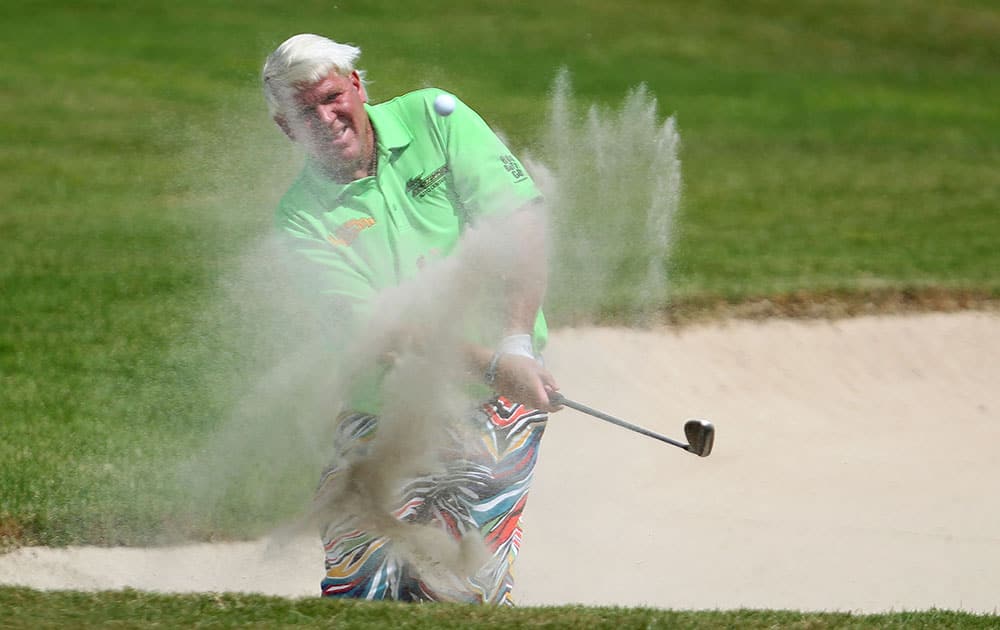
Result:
849,147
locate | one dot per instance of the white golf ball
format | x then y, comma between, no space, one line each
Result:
444,104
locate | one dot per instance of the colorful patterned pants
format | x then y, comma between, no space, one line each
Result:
482,488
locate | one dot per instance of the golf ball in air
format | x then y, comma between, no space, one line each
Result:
444,104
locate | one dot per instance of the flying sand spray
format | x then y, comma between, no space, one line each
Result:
613,188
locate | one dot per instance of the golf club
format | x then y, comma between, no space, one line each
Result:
700,433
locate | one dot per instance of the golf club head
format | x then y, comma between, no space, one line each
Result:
700,436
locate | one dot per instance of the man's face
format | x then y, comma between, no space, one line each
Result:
330,120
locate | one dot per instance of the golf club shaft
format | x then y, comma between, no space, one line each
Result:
558,399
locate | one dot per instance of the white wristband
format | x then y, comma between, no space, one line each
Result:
517,344
512,344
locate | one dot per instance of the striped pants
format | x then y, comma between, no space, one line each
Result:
480,489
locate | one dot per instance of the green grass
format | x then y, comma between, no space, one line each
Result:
25,608
826,150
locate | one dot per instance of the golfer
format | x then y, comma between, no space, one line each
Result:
385,188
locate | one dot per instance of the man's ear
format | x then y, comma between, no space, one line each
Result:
359,86
282,123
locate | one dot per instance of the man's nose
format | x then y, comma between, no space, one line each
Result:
325,113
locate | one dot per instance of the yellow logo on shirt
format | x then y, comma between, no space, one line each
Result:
348,232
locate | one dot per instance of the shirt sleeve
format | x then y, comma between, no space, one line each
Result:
488,178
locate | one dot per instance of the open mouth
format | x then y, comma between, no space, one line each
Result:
338,136
332,142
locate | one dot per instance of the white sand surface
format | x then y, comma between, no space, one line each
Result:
856,468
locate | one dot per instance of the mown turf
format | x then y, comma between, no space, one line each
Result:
848,150
25,608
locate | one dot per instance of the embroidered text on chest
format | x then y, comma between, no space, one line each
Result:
419,186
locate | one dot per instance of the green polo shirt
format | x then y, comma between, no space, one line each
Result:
435,175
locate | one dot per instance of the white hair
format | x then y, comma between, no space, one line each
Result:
303,59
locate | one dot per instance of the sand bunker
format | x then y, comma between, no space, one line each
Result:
855,468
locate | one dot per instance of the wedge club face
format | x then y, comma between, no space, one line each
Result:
700,436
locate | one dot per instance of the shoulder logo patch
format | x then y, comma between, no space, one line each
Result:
513,167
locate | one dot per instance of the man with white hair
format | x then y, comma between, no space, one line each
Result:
386,188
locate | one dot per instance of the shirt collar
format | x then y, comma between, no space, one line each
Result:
391,133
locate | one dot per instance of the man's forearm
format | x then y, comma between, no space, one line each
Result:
527,278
